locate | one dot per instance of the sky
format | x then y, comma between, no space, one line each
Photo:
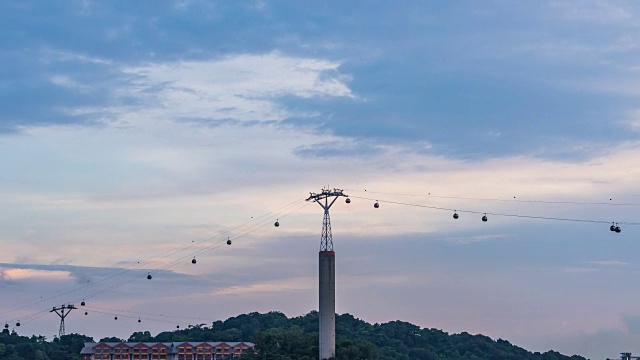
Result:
137,135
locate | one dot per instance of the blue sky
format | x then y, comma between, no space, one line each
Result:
133,130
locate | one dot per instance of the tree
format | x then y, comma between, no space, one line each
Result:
140,336
111,339
74,342
280,338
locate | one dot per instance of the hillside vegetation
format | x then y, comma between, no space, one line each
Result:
280,338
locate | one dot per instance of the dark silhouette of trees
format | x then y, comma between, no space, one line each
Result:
16,347
280,338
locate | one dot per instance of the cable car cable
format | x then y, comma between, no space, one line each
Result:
500,214
254,227
138,266
567,202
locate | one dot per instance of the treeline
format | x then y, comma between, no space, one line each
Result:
280,338
16,347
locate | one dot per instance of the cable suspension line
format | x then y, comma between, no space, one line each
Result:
149,260
377,200
514,199
248,230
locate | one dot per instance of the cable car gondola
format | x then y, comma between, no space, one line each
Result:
193,261
228,241
18,323
86,313
276,224
82,303
484,217
6,326
376,205
139,320
115,318
348,201
149,276
615,228
455,215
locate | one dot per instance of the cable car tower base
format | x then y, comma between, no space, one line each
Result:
327,275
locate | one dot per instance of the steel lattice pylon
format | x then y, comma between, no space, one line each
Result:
62,315
322,198
326,241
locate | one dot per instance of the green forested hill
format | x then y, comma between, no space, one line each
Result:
15,347
280,338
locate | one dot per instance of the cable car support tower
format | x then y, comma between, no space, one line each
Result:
62,315
327,275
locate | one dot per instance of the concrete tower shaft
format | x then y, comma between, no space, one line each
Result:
327,304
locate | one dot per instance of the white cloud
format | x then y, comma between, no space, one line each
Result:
285,285
633,120
242,87
9,274
68,82
609,262
579,270
70,56
476,238
196,179
593,12
146,183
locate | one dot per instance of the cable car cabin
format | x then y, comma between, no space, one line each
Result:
193,261
228,241
376,205
276,224
455,215
484,218
149,276
348,201
615,228
82,303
